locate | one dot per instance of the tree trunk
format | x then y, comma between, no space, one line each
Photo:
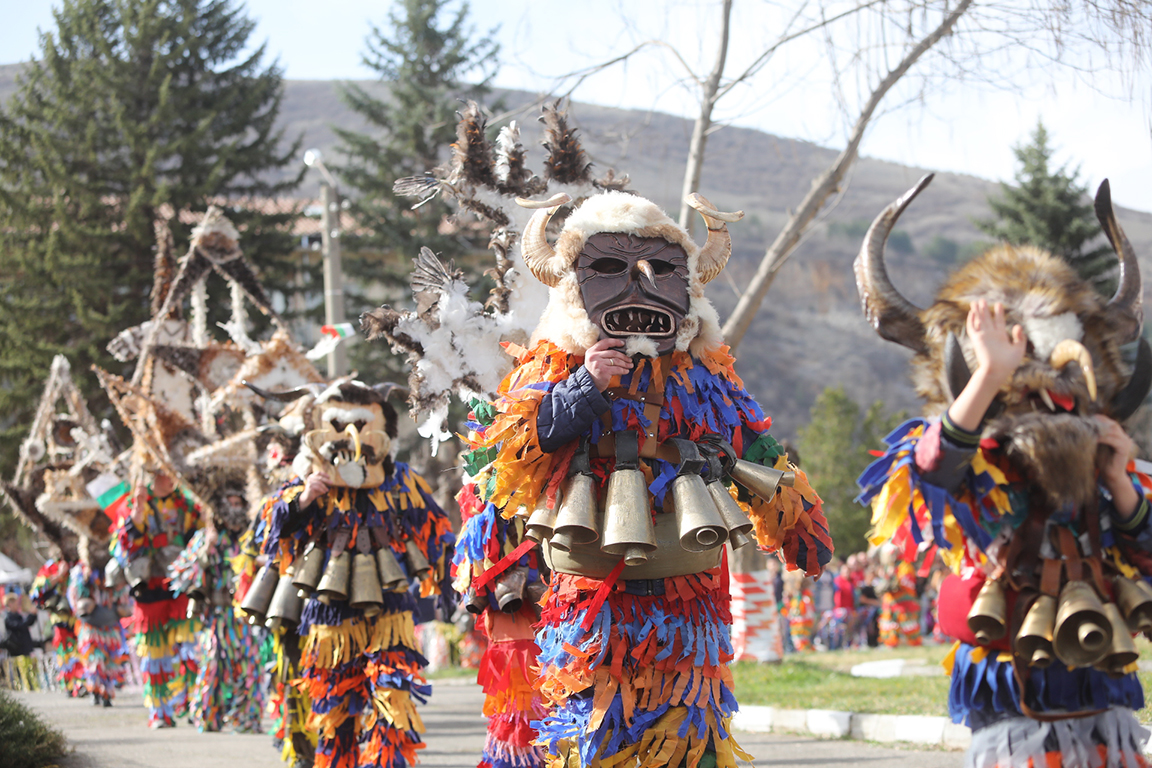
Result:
703,125
823,186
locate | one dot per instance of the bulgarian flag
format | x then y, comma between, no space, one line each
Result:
331,336
112,494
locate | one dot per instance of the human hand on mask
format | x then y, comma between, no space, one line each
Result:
1116,449
999,351
315,486
603,361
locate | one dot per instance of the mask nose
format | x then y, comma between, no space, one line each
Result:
644,268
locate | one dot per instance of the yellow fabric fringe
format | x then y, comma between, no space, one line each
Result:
397,709
328,647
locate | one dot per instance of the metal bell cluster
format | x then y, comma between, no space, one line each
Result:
707,515
1078,628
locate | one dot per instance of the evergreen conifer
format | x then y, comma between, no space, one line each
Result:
424,54
1050,209
133,112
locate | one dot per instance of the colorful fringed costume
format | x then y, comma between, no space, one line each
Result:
1022,480
165,638
228,687
49,592
900,609
288,705
507,666
99,636
363,672
801,615
636,670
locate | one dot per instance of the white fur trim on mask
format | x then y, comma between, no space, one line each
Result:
1046,332
347,415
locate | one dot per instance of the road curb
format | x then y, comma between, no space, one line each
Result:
829,723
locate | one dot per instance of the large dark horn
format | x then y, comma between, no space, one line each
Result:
1126,401
285,396
955,366
1125,306
893,316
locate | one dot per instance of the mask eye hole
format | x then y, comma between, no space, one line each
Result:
337,425
608,266
662,267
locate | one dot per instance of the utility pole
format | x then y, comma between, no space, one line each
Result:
333,273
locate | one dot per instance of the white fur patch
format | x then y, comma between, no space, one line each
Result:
347,415
1046,332
640,345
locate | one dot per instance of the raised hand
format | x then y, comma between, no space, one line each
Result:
999,351
315,486
603,360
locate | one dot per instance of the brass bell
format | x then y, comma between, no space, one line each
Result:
309,571
737,522
139,571
760,480
698,521
193,608
475,603
542,522
535,592
114,574
576,515
509,590
1134,604
418,565
989,613
366,593
1122,650
287,605
259,597
1034,640
334,583
392,577
1083,634
627,520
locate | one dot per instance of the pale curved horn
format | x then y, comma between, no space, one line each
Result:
1125,305
539,255
718,247
1072,351
893,316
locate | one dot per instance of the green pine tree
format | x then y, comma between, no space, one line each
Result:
431,59
1050,209
835,446
132,111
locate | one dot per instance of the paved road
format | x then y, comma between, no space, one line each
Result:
119,738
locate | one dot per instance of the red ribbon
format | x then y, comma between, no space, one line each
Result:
601,596
507,562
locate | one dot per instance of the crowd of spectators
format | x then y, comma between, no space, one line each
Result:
863,601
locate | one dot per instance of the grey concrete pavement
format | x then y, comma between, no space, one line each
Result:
118,737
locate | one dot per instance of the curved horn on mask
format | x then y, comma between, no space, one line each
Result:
893,316
1126,401
539,255
1125,305
389,387
287,395
718,247
955,366
1072,351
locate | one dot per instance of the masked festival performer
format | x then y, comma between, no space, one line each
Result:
99,637
614,441
1021,478
287,703
900,608
228,687
49,592
161,522
354,530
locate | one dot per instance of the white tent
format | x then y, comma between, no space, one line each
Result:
10,573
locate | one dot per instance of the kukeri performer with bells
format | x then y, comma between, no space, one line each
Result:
1024,484
350,535
161,522
615,442
228,687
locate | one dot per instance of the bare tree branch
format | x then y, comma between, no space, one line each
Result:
824,186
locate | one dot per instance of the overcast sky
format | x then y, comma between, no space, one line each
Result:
958,126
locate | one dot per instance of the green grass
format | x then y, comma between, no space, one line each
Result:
28,742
